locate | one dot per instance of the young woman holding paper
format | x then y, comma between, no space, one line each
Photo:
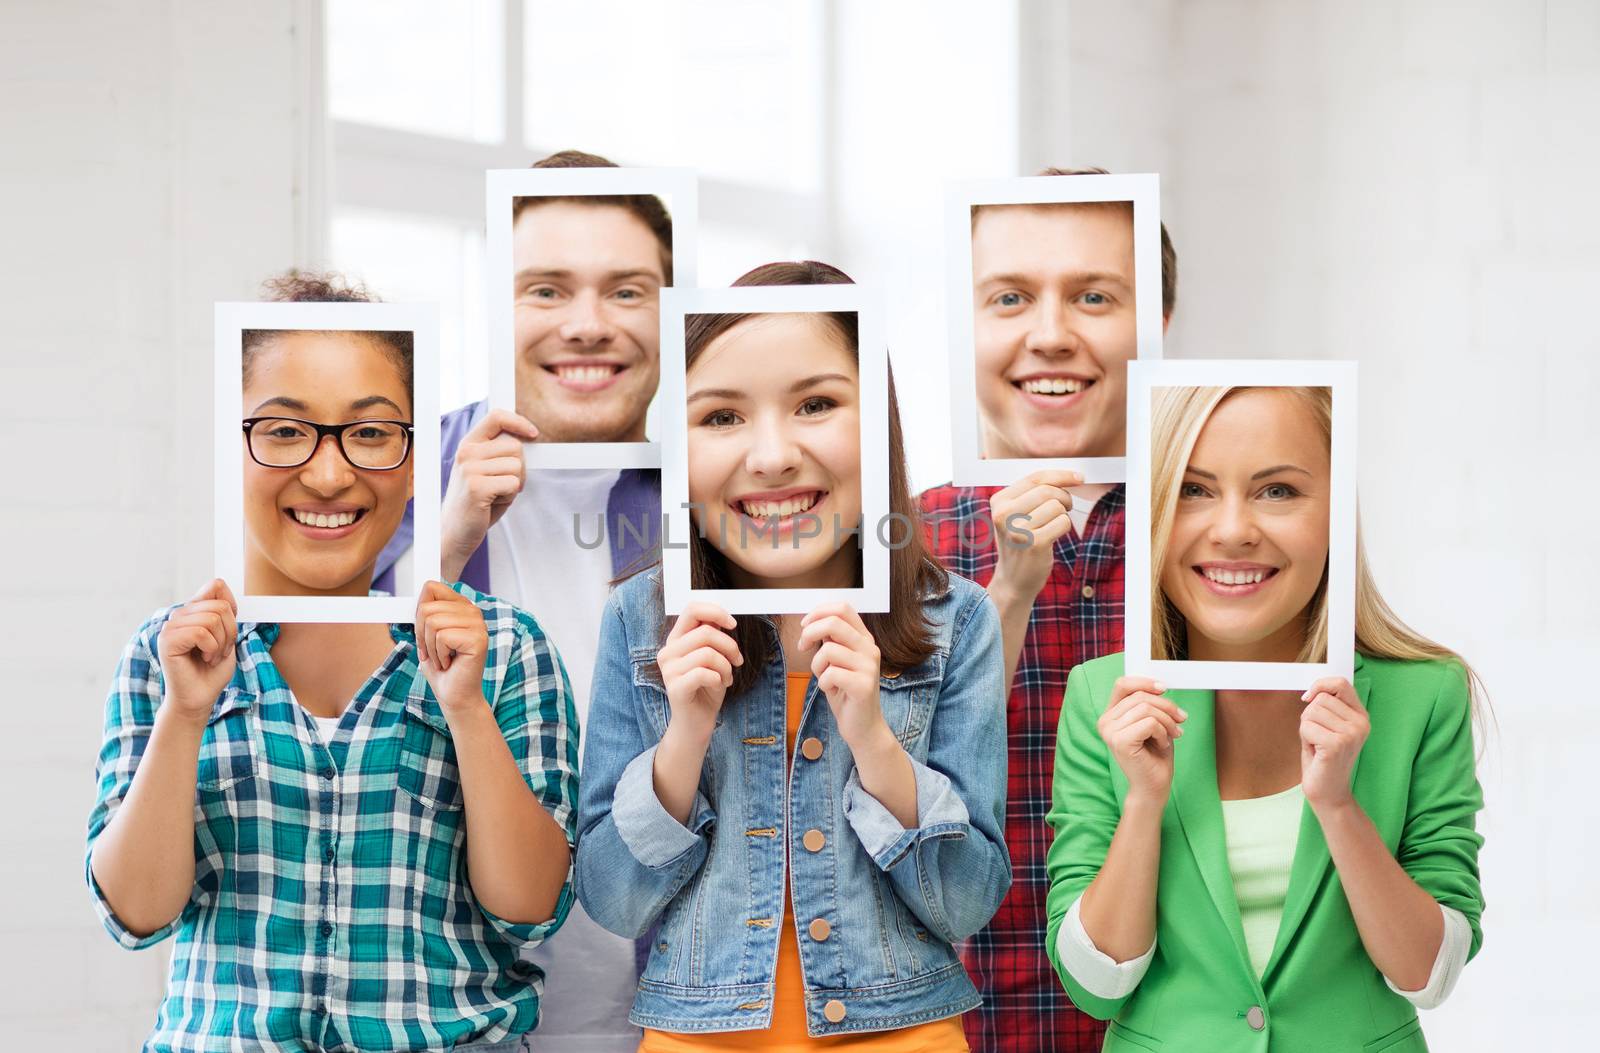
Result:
1262,870
294,802
810,806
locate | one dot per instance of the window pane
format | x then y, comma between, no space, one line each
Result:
730,87
432,66
410,259
727,251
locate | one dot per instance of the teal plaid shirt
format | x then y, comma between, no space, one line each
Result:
331,908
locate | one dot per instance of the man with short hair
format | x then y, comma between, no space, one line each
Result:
587,279
1053,310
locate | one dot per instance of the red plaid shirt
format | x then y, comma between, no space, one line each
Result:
1078,616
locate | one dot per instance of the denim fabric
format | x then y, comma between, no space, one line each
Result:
895,899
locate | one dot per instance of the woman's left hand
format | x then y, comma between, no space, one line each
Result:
846,668
452,644
1333,727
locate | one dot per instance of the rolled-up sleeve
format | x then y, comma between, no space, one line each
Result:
1098,972
539,721
1439,844
1447,964
940,813
1084,814
953,870
654,837
129,720
633,856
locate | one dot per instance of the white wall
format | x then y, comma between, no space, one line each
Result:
1411,185
150,165
925,92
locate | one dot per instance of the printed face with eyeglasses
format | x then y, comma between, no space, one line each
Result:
327,461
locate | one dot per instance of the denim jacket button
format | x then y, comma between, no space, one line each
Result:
811,749
813,840
820,929
834,1011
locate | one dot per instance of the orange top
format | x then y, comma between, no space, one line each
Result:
788,1031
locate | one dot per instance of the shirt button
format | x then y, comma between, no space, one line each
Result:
327,773
834,1011
1255,1018
1088,592
327,929
813,840
821,930
328,853
811,749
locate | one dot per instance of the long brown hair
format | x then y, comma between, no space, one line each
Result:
904,634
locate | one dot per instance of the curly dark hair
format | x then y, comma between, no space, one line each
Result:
297,286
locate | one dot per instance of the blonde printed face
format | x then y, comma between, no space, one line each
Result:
1249,542
1054,328
317,528
774,451
586,320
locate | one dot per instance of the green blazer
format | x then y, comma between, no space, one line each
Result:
1415,777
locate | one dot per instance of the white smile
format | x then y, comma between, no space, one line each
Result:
585,374
319,519
1234,577
792,506
1053,385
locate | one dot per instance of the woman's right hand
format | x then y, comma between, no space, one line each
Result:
697,663
1139,727
196,650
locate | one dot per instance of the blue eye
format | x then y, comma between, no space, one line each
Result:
1009,299
541,292
1279,492
1096,299
629,294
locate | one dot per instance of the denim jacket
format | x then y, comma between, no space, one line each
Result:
895,900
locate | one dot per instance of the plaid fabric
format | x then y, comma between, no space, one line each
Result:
1078,616
331,908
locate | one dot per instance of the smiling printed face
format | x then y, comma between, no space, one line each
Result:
318,529
775,452
1053,312
587,291
1249,542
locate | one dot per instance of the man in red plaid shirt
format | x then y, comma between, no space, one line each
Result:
1054,327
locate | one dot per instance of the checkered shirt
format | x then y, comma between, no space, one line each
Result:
1078,616
331,908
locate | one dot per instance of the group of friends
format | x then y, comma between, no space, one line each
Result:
955,824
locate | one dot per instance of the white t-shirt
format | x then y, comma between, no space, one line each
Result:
559,570
1084,498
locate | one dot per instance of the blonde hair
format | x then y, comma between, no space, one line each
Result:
1177,416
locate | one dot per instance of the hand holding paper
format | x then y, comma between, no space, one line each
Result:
1139,727
452,644
1333,728
487,477
196,649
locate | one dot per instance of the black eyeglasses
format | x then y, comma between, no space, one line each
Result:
288,442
